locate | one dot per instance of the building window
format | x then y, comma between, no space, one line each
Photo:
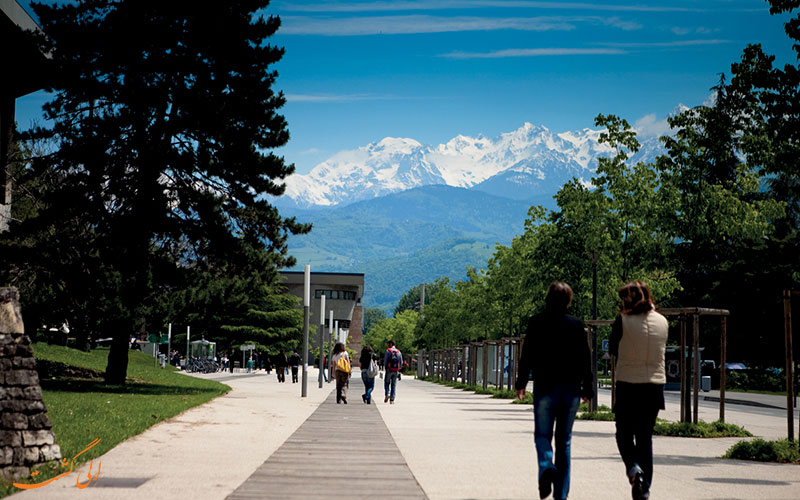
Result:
336,294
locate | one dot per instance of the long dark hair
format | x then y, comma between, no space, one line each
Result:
339,347
636,298
366,350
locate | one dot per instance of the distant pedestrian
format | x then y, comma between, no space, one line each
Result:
280,362
556,350
268,364
341,371
294,361
638,341
369,369
249,365
393,361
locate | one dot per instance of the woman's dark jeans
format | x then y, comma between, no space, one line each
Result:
369,385
555,405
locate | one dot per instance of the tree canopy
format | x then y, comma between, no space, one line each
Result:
161,152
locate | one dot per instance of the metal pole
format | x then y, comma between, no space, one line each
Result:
169,341
321,339
723,358
331,332
187,346
593,352
696,366
787,318
306,304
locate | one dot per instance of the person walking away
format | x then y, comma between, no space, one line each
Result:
556,353
393,361
280,366
341,372
369,370
638,341
294,361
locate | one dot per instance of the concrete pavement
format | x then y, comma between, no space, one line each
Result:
457,445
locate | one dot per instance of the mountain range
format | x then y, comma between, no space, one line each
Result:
404,213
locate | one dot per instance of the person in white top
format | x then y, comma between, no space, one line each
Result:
638,341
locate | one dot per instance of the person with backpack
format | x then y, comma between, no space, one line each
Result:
369,370
341,372
393,361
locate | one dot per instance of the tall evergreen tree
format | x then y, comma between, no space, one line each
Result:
165,120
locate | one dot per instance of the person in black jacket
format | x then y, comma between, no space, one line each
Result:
556,356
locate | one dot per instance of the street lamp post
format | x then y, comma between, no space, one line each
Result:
595,258
306,304
321,339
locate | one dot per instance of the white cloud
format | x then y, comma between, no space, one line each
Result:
397,6
674,43
334,97
650,126
531,53
699,30
395,25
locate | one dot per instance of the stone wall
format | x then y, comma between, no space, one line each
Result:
26,438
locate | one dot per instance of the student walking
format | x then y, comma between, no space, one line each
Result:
280,366
341,372
369,370
294,361
393,361
638,341
556,351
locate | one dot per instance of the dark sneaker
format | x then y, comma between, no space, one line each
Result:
364,398
546,482
386,399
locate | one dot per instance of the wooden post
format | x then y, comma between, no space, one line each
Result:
613,380
685,408
485,382
787,321
593,351
696,365
723,358
516,347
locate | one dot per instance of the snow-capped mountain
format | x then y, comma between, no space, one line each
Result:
521,164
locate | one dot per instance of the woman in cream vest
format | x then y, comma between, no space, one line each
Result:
638,340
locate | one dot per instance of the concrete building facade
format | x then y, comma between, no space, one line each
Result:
343,293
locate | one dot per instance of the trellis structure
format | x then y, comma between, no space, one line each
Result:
487,363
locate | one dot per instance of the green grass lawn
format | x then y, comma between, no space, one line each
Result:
84,409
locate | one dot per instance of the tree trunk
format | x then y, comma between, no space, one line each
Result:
117,367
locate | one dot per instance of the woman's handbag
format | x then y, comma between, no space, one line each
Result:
373,370
343,365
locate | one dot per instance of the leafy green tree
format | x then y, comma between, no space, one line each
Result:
163,147
371,317
400,329
410,299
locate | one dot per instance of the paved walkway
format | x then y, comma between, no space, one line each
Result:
318,457
437,442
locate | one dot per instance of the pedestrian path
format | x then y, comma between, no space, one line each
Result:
317,460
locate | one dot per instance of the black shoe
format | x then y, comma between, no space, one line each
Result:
639,489
363,398
344,401
546,482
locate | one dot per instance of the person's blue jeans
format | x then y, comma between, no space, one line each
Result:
369,385
555,406
390,381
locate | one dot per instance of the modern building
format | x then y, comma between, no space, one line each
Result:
343,293
23,67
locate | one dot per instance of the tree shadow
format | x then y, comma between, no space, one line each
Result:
84,385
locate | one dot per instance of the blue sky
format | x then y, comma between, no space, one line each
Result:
357,71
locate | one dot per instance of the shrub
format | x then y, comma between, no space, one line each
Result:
701,429
783,451
605,416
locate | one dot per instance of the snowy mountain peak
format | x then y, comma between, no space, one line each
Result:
521,164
